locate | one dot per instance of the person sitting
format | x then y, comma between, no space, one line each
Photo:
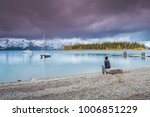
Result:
107,66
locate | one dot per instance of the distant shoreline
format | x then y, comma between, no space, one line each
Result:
107,46
72,50
132,84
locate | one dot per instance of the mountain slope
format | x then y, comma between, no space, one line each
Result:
8,43
15,43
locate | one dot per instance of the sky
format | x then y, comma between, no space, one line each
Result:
86,19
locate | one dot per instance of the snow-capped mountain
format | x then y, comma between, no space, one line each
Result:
6,43
146,43
9,43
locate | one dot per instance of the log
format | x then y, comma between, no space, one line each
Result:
115,71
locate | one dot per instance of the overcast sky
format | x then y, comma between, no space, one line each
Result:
75,18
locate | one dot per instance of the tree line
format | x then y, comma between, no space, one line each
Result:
108,46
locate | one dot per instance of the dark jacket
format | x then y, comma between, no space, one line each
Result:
107,64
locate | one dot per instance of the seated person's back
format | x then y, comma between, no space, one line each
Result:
107,63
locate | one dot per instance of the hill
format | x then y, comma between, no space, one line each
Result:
108,46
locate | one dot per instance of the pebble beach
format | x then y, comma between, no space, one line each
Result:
133,84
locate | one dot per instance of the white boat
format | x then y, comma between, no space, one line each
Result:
27,52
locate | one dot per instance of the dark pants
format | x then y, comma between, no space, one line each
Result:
103,69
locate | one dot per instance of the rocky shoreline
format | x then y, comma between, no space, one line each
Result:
132,84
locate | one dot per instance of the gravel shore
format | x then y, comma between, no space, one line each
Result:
132,84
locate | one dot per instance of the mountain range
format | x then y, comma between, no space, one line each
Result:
55,44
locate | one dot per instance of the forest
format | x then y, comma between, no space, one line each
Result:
108,46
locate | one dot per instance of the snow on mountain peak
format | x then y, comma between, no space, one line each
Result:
9,43
51,44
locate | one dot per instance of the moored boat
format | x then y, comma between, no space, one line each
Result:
27,52
45,55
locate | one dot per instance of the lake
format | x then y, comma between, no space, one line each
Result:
15,65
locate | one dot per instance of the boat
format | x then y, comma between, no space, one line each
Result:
44,54
29,52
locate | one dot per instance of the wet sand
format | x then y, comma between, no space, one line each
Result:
132,84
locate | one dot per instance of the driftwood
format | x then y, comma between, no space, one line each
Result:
114,71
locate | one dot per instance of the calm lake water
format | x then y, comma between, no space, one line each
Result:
14,65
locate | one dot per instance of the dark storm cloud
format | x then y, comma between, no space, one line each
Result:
73,18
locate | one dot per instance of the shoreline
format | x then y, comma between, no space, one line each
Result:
132,84
61,77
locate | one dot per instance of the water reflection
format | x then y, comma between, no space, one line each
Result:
73,59
16,65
